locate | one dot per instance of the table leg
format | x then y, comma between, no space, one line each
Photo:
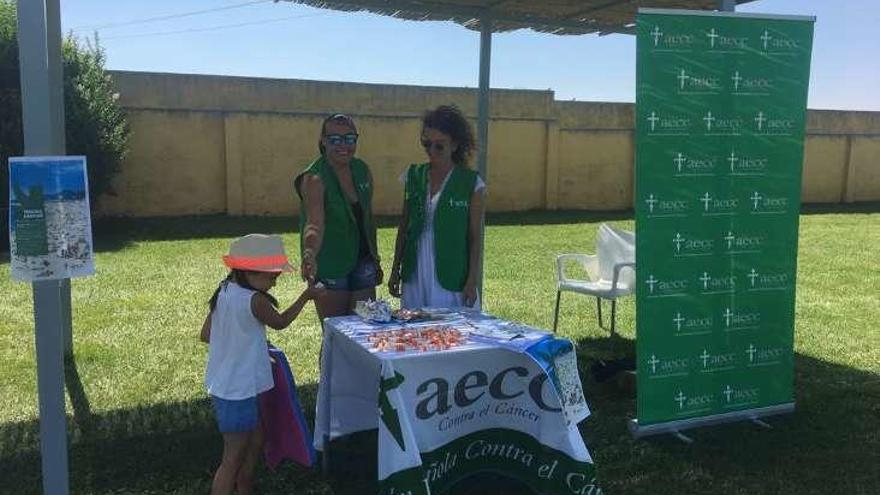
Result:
328,409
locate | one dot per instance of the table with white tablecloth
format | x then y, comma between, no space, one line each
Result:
506,398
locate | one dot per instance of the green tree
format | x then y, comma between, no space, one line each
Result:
95,125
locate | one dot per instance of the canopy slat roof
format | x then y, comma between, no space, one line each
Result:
571,17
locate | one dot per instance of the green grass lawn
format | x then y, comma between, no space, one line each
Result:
140,422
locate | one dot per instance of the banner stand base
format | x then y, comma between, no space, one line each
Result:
675,427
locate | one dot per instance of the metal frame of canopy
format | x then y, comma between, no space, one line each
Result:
39,40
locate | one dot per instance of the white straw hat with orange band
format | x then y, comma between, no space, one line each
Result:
258,253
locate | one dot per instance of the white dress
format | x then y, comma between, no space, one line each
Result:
424,289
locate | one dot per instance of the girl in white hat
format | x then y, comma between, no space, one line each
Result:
238,361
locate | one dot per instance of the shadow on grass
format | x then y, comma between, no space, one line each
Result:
830,443
82,411
115,233
174,448
162,448
210,226
112,234
842,208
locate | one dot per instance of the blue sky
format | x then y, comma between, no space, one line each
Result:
284,40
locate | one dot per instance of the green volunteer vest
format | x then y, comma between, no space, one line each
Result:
339,248
451,220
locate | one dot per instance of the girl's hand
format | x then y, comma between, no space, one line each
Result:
314,291
394,284
470,293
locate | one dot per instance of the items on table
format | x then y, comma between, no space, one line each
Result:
411,315
432,338
378,311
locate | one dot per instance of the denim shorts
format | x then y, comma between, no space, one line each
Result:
364,276
236,416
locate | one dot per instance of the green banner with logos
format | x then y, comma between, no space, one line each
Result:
720,118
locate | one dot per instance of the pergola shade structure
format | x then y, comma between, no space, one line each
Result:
559,17
544,16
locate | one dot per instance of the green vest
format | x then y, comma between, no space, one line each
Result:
341,242
451,221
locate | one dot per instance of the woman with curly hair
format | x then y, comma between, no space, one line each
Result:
437,254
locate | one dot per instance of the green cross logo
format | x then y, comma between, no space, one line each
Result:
389,415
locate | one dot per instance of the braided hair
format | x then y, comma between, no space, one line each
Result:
237,276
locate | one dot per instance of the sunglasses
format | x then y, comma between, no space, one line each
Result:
436,146
337,139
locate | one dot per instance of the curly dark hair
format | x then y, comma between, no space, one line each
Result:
449,120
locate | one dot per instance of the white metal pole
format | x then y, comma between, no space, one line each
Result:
42,128
483,99
483,130
59,143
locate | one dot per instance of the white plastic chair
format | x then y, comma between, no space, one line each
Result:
611,271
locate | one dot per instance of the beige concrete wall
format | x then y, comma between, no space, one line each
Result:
824,176
842,157
864,172
212,144
176,166
517,156
596,156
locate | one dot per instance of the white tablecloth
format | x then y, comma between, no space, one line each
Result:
490,404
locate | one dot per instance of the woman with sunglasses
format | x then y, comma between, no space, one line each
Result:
337,234
437,253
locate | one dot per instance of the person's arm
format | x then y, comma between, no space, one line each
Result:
399,244
263,310
474,255
313,232
205,334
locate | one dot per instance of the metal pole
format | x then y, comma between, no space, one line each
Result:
483,99
59,144
41,131
727,5
483,129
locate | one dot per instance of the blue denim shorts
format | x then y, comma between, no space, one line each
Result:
364,276
236,416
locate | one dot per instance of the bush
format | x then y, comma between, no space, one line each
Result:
95,125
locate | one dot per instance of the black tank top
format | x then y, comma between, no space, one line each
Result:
364,248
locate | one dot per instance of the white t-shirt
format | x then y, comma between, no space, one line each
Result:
424,289
238,355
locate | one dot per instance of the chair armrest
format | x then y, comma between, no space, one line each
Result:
589,262
618,267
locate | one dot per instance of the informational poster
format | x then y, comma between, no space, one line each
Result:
720,117
50,227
